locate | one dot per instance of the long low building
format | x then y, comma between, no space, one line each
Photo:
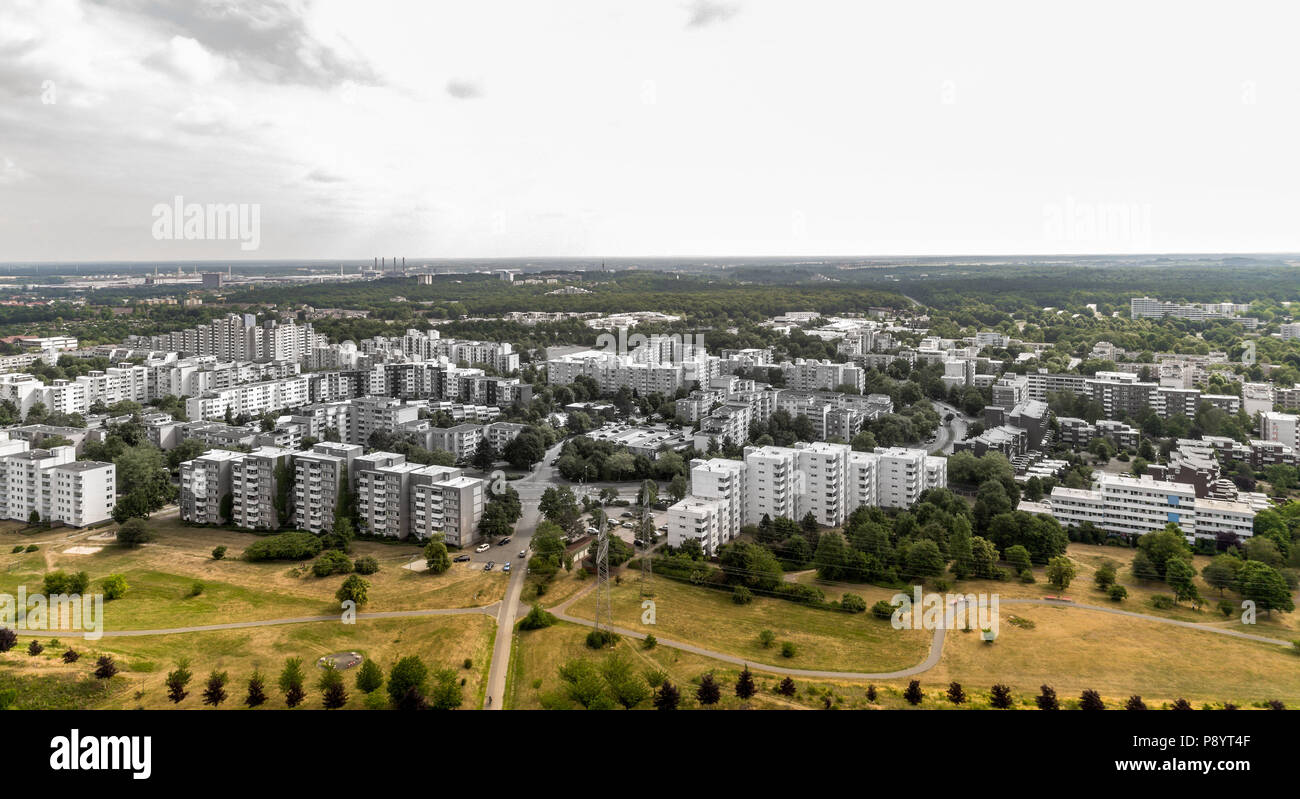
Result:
1138,505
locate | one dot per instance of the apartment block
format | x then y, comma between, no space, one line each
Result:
255,487
54,484
205,482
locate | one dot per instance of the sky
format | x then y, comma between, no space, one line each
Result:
646,128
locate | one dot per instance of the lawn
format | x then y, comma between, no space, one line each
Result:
162,576
441,641
823,639
535,682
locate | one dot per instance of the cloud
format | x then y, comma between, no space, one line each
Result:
708,12
464,89
323,176
186,58
11,173
270,40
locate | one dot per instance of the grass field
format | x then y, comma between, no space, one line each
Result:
161,576
823,639
44,681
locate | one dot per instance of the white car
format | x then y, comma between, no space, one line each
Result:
482,547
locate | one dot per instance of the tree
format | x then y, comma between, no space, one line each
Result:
256,690
215,691
959,546
143,482
1046,699
7,639
1060,572
924,560
1135,703
1091,700
35,648
291,680
1221,572
1162,546
1104,577
447,693
1018,557
745,684
370,677
913,693
218,552
435,555
485,456
766,638
134,532
407,673
1265,586
1000,697
177,680
1180,574
105,668
955,693
677,488
71,655
355,589
667,697
786,688
537,618
333,694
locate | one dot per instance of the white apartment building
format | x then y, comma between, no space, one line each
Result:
723,480
445,502
54,484
252,399
205,481
1281,427
318,480
695,519
773,486
382,480
1138,505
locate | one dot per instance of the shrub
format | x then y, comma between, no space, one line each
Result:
71,655
786,688
802,593
1182,704
537,618
913,693
135,532
196,588
1027,577
1046,699
882,609
354,589
742,595
765,638
1135,703
852,603
600,639
788,649
650,642
105,668
955,693
17,548
370,677
1091,700
218,552
1000,697
1117,593
115,586
35,648
32,547
7,639
1162,602
284,546
367,564
330,563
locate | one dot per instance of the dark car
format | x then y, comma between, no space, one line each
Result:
487,567
460,558
503,541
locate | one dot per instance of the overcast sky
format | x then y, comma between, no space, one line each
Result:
662,127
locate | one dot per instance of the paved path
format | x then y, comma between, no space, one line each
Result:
936,642
240,625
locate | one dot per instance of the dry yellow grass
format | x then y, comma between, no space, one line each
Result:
441,641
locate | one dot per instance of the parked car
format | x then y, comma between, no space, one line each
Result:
487,567
503,541
663,528
484,547
523,553
506,567
638,542
460,558
628,525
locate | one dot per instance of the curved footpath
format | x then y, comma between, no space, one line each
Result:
560,611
